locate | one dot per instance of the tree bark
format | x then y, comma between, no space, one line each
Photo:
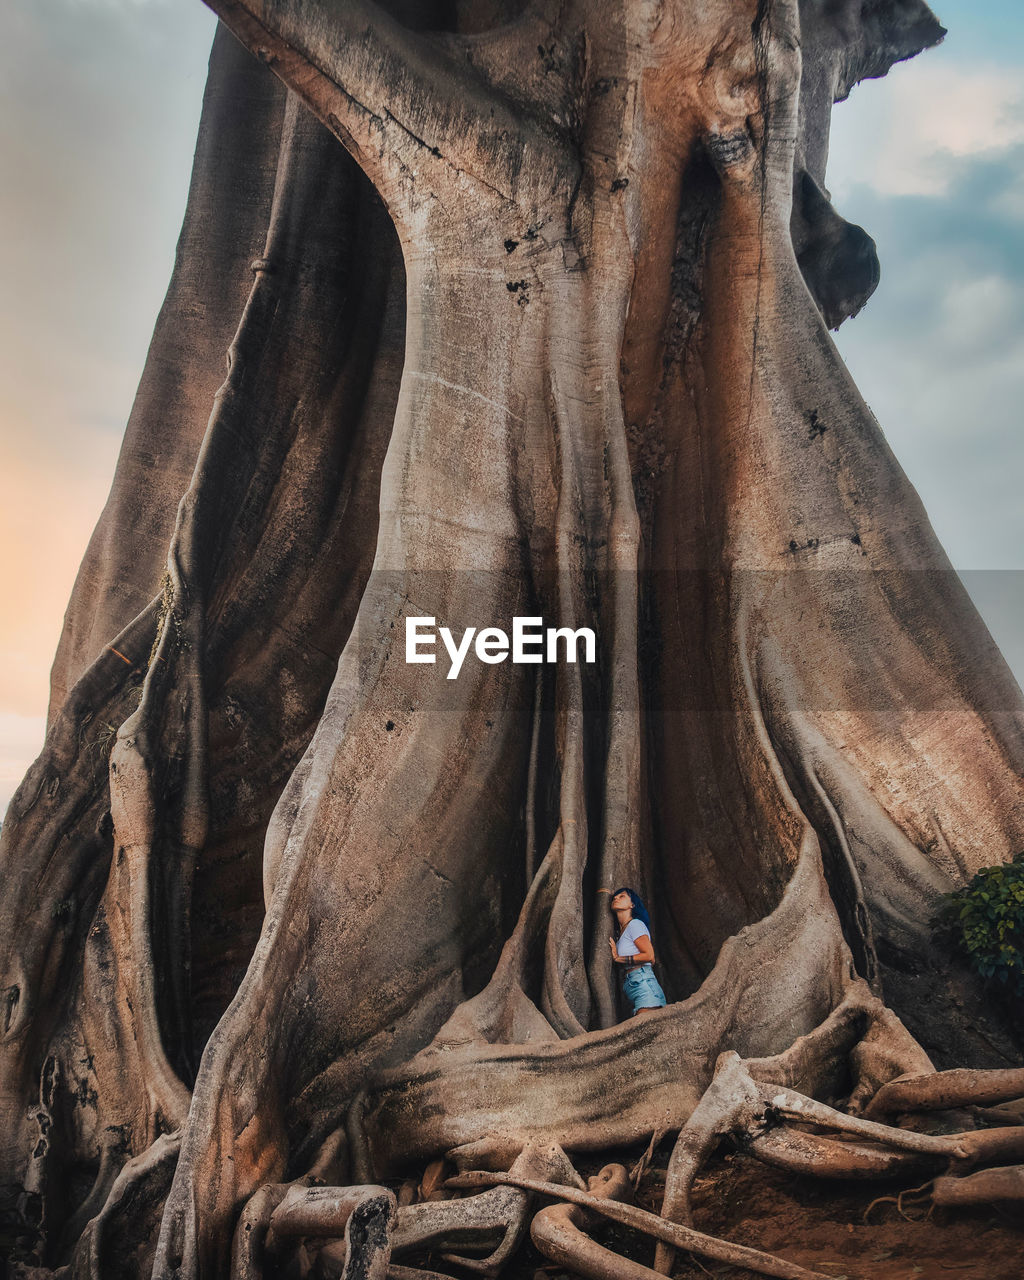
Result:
526,311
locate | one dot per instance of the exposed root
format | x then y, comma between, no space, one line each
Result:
325,1211
251,1233
364,1218
396,1272
730,1102
281,1215
887,1050
317,1218
430,1187
478,1220
740,1102
798,1107
770,1105
897,1200
990,1146
996,1116
917,1194
331,1163
559,1232
981,1188
944,1090
137,1193
759,1102
811,1154
752,1100
644,1163
499,1215
650,1224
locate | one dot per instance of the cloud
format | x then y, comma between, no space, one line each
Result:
978,314
47,513
100,100
116,6
939,351
999,597
931,162
21,740
903,135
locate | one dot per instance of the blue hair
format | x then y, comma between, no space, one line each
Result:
639,910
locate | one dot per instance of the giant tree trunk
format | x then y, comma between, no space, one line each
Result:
526,314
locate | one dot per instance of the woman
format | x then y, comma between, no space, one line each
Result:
634,951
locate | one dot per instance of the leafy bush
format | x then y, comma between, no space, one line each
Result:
985,921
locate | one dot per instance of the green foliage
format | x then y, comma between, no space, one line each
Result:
985,921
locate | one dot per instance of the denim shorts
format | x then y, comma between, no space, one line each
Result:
642,989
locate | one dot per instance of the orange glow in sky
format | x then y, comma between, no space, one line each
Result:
100,101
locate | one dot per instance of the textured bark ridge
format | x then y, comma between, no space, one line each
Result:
525,310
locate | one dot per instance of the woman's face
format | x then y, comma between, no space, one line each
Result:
621,902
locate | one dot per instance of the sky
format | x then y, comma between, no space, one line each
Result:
99,105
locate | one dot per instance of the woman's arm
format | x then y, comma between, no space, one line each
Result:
644,951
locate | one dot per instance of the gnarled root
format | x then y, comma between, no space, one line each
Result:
279,1216
944,1090
361,1218
136,1198
752,1102
980,1188
680,1237
396,1272
560,1233
251,1233
735,1103
500,1214
814,1155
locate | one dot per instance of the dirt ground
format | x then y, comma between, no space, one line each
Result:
826,1227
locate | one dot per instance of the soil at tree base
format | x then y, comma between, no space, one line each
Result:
820,1225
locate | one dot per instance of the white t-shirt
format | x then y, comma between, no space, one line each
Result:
626,945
